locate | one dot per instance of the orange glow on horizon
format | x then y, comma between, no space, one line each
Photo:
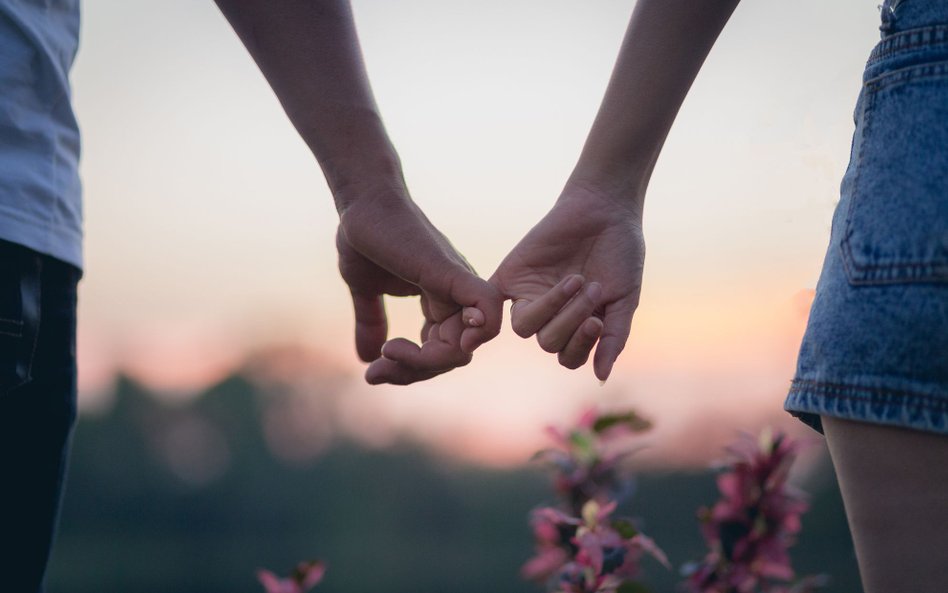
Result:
699,392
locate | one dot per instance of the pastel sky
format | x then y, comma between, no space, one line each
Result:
209,227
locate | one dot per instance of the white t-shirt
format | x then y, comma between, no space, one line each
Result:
40,193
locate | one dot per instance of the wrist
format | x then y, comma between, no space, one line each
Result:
370,180
621,188
356,156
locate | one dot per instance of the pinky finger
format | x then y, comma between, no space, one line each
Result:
577,350
388,371
472,317
616,325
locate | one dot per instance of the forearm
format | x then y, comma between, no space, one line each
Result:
665,45
309,53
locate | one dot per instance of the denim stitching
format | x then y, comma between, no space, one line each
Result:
913,271
39,316
909,40
934,70
809,406
11,327
866,120
838,390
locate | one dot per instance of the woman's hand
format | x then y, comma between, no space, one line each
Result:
595,229
575,278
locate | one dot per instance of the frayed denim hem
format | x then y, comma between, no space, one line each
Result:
809,399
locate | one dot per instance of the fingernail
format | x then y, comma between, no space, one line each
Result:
371,378
602,383
593,329
594,291
573,284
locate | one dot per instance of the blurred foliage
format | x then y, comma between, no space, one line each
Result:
187,498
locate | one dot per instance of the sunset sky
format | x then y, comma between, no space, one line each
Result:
209,227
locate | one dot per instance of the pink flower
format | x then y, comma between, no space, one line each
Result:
580,546
306,576
611,546
587,458
594,553
750,529
546,562
553,532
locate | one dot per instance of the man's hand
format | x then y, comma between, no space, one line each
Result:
575,278
310,55
387,246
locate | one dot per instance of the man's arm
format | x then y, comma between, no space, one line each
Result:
309,53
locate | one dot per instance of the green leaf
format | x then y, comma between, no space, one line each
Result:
625,528
540,454
633,587
584,447
580,439
634,422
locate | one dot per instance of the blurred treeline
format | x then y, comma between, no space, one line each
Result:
189,499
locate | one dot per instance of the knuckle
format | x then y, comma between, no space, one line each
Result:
547,343
574,360
590,304
520,328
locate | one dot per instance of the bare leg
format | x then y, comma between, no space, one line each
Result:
895,488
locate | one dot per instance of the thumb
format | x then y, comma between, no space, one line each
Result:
483,310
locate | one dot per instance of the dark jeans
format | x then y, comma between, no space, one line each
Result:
37,407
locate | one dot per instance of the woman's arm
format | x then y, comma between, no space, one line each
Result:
595,228
665,46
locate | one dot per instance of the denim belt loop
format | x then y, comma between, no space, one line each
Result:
887,10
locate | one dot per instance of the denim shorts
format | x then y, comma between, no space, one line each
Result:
876,343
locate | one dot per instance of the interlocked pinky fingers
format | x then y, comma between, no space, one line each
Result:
472,317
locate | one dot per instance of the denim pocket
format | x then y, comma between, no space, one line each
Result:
19,314
897,223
